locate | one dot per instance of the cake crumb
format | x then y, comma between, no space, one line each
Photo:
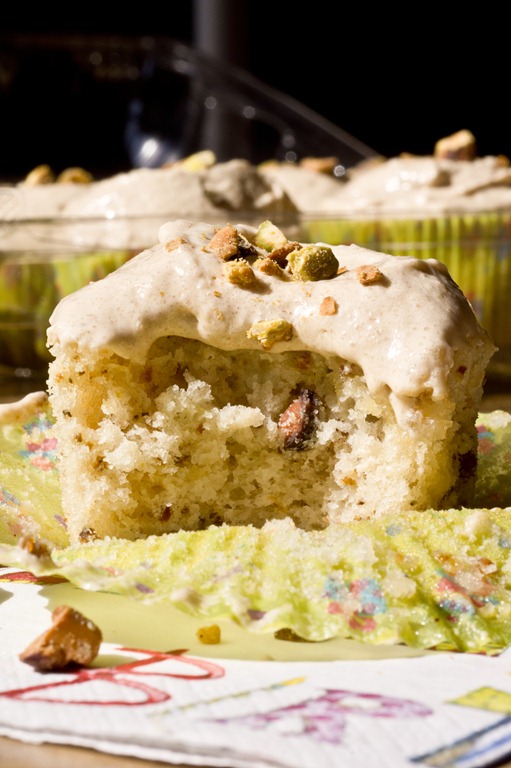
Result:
209,635
34,547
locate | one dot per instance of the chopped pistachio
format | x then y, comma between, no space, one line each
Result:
280,254
269,236
228,244
458,146
246,249
41,174
75,175
313,262
268,332
198,161
328,306
269,267
240,272
171,245
225,242
320,164
368,274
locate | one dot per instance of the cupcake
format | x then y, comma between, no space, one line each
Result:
452,205
229,375
62,231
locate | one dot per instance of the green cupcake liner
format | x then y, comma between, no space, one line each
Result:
31,285
475,247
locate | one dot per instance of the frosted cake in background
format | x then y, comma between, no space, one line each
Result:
129,207
61,231
451,205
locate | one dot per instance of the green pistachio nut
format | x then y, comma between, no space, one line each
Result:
269,332
269,236
199,161
313,262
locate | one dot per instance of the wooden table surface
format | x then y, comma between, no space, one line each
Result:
14,754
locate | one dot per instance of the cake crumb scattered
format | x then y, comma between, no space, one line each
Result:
34,547
209,635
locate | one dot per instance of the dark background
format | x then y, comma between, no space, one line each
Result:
397,79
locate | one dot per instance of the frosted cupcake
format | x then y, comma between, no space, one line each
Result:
63,231
452,205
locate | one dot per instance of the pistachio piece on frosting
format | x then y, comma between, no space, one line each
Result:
328,306
204,158
41,174
270,267
269,236
458,146
313,262
240,273
225,242
320,164
281,253
74,175
269,332
367,274
228,244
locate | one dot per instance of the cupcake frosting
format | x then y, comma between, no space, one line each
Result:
129,207
453,179
401,328
235,185
415,183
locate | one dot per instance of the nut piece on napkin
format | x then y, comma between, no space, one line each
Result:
72,639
